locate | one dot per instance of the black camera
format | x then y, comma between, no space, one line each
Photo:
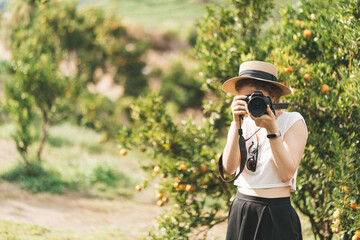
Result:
257,104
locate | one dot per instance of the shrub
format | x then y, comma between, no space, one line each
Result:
181,87
35,178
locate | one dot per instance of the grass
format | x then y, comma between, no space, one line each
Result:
159,13
74,159
168,16
23,231
163,16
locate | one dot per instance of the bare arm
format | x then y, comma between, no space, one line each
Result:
287,153
231,154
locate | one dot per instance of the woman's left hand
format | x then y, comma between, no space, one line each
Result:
267,121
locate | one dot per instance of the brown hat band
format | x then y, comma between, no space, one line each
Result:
258,74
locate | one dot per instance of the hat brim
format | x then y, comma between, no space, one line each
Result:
229,85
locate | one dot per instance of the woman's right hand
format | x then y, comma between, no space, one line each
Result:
239,107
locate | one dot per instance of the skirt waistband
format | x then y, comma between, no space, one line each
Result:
264,201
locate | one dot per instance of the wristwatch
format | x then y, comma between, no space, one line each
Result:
274,135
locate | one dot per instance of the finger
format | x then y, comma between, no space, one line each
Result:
252,116
239,97
237,113
238,107
239,102
269,112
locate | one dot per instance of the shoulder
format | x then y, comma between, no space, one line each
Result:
292,115
291,118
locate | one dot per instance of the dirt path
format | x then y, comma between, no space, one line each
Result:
76,212
81,214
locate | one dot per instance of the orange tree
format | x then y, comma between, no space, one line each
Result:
46,35
185,154
319,43
315,49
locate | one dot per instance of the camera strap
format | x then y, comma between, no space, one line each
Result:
243,156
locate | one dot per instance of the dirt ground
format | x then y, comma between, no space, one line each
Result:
75,211
78,211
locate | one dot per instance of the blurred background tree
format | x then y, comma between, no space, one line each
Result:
56,50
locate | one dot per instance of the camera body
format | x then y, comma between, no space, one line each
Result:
257,104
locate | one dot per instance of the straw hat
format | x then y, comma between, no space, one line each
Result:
258,70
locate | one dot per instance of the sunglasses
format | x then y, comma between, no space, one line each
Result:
253,152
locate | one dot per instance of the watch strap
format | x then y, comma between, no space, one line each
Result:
274,135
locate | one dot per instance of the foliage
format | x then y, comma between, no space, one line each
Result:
99,112
35,178
184,155
21,108
181,87
110,177
83,41
328,98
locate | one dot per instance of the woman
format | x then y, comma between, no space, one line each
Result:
274,145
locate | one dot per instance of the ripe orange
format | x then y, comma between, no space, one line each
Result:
159,195
160,203
163,175
190,188
176,185
353,206
92,106
183,167
142,149
123,152
336,214
165,199
302,61
354,238
295,37
68,94
307,77
335,229
334,75
288,70
325,88
182,186
307,33
357,233
203,168
156,169
138,188
345,190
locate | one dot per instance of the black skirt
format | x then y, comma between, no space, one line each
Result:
256,218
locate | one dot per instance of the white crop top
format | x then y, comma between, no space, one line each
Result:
266,175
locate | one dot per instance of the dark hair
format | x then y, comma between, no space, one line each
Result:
272,89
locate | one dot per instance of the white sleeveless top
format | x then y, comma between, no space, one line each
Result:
266,175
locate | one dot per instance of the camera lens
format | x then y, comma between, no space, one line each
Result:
257,106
